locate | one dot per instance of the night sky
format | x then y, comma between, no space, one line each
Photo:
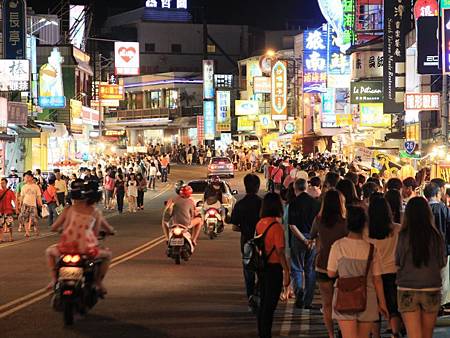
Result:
269,14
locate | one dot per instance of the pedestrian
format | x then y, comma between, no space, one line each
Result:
7,209
441,214
132,192
164,171
420,256
108,184
368,189
61,187
329,226
153,171
30,200
314,187
119,192
350,257
276,272
302,211
383,234
244,217
409,189
142,189
276,177
347,188
51,200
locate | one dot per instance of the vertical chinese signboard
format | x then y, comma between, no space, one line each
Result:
14,29
223,104
396,21
208,79
279,91
348,22
315,60
338,69
446,40
209,120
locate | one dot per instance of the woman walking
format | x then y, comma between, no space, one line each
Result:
329,226
152,174
132,192
349,257
383,233
119,192
420,256
276,272
142,188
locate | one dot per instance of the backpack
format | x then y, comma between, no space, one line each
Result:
255,257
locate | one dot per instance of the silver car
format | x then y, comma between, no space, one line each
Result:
199,188
221,167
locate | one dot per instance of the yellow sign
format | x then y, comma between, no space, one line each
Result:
279,91
372,115
223,126
75,111
413,132
343,120
245,124
267,122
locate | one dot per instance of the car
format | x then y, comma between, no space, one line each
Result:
221,167
199,188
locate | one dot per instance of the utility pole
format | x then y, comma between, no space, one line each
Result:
445,110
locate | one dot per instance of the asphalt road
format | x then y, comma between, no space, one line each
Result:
149,296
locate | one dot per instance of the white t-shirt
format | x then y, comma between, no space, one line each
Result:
386,249
30,194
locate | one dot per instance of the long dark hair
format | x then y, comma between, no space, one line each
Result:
347,188
333,208
423,237
380,218
271,206
394,198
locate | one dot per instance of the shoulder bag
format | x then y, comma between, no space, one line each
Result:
352,291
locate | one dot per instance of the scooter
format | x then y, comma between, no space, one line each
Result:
75,290
180,244
213,224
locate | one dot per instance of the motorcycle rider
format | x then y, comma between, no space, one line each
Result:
215,186
181,210
80,225
212,202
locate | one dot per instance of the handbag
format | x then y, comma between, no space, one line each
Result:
351,292
59,209
45,212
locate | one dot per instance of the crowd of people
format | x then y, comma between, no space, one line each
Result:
24,201
375,248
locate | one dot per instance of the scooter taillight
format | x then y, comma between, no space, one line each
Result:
177,231
71,259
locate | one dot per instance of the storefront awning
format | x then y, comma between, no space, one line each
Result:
44,126
24,132
184,122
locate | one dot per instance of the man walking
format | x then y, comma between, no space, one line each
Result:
30,199
302,211
244,217
61,187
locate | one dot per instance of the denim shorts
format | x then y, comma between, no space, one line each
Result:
414,300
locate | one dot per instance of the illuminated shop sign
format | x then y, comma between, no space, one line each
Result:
422,101
366,92
223,104
209,120
223,80
245,124
328,118
126,58
446,40
262,85
425,8
178,4
279,91
372,115
246,107
14,29
111,92
208,79
366,64
427,28
315,60
338,63
51,93
14,75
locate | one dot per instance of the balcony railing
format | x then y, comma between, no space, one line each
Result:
153,113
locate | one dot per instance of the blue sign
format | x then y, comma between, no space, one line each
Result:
52,101
338,62
209,120
410,146
315,60
14,29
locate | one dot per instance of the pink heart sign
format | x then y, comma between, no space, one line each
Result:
127,53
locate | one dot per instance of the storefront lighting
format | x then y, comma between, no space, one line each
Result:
162,82
270,53
113,149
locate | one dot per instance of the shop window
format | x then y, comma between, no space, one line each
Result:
149,47
155,99
211,48
172,99
176,48
139,101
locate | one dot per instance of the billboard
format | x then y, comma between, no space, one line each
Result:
223,104
328,117
77,22
366,92
17,113
262,85
209,121
315,60
51,93
246,107
126,58
372,115
245,124
428,45
366,64
396,24
208,79
14,29
279,91
111,92
338,63
422,101
14,75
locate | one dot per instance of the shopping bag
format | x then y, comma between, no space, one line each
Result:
59,209
45,212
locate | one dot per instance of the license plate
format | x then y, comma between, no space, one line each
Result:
177,242
212,222
70,273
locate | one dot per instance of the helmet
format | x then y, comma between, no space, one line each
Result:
178,186
186,191
215,180
88,191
